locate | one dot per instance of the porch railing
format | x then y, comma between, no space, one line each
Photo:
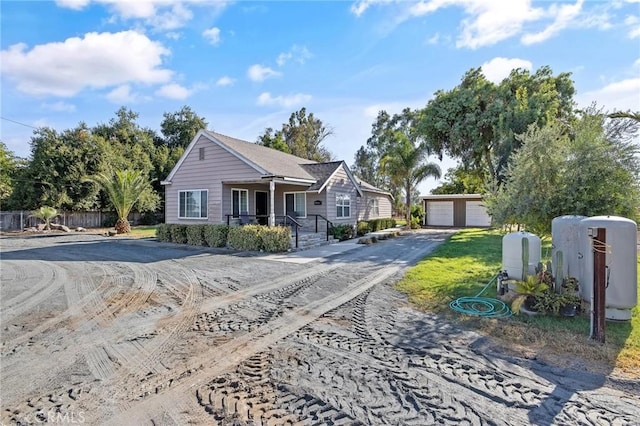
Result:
328,223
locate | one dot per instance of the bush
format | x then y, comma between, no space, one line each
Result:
245,237
416,223
195,235
178,233
163,233
342,232
380,224
276,239
363,228
216,235
417,211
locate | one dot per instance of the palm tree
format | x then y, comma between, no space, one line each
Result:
124,188
45,213
406,164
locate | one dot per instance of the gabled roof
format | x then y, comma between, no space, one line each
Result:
266,161
370,188
322,172
273,163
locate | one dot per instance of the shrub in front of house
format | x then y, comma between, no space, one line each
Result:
245,237
276,239
163,233
195,235
178,234
216,235
363,228
382,223
342,232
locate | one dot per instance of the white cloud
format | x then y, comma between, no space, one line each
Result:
359,7
59,106
225,81
258,73
212,35
173,35
159,14
299,54
499,68
97,60
288,101
488,22
620,95
72,4
564,15
122,95
434,39
174,91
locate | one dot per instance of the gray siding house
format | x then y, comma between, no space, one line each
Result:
220,179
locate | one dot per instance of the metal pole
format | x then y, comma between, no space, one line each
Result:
599,284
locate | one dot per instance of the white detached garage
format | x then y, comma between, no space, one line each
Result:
459,210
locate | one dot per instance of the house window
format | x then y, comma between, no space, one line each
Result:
343,205
375,208
201,153
296,203
240,201
193,204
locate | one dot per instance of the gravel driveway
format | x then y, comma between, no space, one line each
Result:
115,331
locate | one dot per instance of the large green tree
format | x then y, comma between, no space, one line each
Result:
59,161
569,169
459,180
302,136
180,127
10,166
477,122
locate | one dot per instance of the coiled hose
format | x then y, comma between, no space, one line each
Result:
481,306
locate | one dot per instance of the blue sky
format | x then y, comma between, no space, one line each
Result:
246,66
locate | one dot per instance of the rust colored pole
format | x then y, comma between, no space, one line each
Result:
599,284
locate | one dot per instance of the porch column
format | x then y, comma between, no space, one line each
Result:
272,196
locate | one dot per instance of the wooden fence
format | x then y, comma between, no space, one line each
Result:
21,219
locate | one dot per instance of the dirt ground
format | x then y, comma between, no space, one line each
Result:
99,330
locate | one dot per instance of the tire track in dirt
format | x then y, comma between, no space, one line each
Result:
48,280
247,345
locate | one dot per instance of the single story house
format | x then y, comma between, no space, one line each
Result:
459,210
220,179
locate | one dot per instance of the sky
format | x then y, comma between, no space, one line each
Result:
245,66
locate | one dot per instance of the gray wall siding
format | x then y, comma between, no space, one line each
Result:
341,184
364,206
193,174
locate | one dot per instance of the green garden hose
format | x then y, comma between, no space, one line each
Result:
482,306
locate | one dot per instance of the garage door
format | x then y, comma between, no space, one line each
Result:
440,213
477,214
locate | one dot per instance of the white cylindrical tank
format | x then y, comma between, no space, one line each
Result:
512,253
565,236
621,294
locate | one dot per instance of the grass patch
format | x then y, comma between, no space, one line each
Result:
465,263
148,231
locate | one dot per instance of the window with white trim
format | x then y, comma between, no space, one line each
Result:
375,207
192,204
343,205
296,203
240,202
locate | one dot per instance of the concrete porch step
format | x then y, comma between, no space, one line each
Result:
310,240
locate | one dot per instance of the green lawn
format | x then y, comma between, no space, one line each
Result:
148,231
465,263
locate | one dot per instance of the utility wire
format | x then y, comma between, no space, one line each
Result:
17,122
